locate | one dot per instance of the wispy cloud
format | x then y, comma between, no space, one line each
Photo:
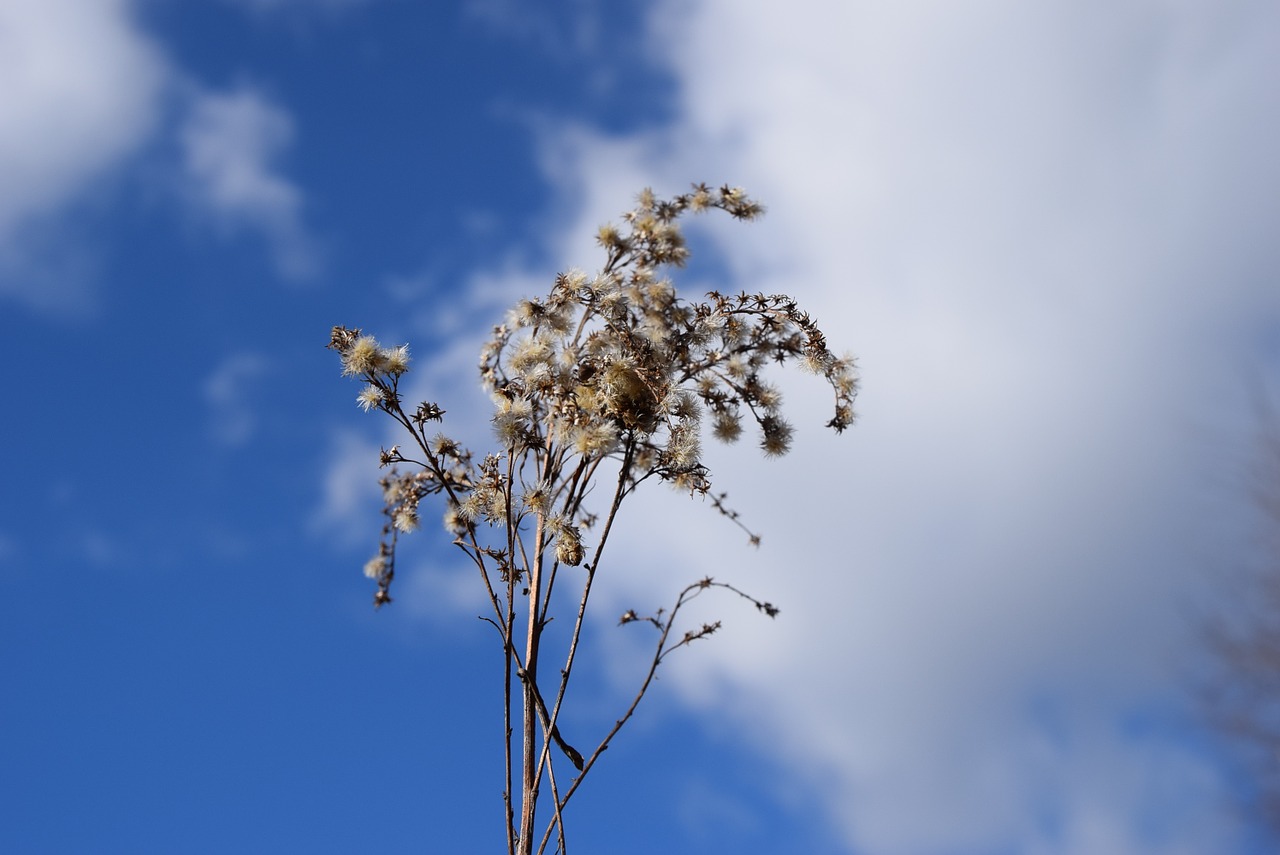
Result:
85,89
349,499
578,30
230,144
232,419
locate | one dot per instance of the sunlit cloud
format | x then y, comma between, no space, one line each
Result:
81,95
1012,216
230,144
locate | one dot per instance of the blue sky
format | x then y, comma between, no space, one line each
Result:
1047,231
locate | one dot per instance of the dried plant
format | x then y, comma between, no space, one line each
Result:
607,379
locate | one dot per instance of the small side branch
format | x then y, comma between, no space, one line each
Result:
664,621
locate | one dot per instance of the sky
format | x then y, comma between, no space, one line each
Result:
1046,231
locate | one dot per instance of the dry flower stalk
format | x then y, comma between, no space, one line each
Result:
615,371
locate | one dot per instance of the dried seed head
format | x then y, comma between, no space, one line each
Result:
395,360
595,439
370,398
341,339
727,427
406,519
374,567
776,440
618,357
363,357
569,546
537,499
454,522
474,506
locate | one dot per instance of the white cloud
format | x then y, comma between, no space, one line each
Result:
83,90
1041,229
230,141
1044,230
81,93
